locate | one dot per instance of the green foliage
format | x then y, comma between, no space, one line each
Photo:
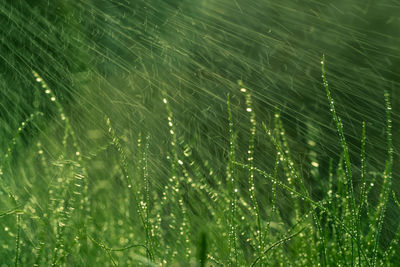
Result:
181,133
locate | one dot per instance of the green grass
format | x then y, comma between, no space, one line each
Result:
174,133
340,228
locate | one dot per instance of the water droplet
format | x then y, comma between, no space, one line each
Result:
315,164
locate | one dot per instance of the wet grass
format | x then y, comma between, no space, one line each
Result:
192,211
174,133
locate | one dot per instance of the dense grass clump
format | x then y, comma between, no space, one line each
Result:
238,225
181,133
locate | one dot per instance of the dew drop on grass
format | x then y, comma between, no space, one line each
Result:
311,143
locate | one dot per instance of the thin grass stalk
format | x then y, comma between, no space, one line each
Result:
273,201
387,179
233,253
177,186
10,149
277,243
290,166
391,250
250,160
17,240
125,172
109,250
363,195
149,228
287,162
283,146
81,185
346,154
69,131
